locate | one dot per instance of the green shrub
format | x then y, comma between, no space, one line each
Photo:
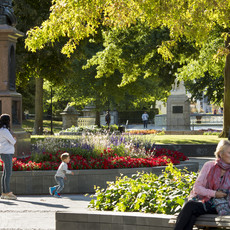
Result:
212,133
38,157
145,192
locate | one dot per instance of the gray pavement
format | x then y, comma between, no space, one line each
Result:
37,212
201,160
153,126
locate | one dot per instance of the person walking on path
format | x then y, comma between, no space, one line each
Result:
60,176
107,118
145,118
209,190
7,142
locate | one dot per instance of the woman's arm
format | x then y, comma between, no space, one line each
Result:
6,133
199,187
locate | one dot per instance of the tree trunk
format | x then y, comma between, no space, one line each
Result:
38,124
226,118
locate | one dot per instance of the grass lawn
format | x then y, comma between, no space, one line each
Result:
29,124
163,139
186,139
158,139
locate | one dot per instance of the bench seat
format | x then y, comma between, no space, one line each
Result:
209,220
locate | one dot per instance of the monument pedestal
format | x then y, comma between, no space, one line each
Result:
69,117
178,113
10,100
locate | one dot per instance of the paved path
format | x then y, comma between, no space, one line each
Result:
201,160
37,212
152,126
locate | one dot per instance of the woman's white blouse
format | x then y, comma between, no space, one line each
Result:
7,142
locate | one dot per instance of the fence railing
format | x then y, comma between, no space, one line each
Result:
195,119
86,121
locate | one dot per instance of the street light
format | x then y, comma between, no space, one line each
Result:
51,111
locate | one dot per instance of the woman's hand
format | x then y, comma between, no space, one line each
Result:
220,194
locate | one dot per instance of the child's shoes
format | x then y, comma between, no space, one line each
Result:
51,190
57,195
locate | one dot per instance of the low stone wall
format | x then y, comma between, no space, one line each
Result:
206,150
38,182
96,220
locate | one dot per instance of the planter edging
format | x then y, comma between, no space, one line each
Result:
83,181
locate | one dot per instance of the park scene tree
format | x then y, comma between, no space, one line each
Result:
192,20
90,62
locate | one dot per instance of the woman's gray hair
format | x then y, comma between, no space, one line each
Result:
221,147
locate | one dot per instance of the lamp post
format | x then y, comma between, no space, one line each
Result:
51,111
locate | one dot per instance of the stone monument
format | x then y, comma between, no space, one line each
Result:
89,116
69,117
178,108
10,100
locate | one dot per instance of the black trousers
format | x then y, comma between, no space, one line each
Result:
191,210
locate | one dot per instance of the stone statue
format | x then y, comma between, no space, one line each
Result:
178,89
6,13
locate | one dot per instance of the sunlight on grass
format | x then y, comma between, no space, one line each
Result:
163,139
185,139
29,124
158,139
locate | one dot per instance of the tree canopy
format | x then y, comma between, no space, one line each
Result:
99,67
76,20
191,19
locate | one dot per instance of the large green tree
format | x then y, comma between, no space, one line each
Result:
203,72
193,19
123,53
46,64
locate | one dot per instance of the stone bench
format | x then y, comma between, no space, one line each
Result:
209,220
107,220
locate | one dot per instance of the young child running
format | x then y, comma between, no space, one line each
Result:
60,175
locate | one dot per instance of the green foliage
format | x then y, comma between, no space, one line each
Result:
103,66
203,73
76,20
212,133
161,133
90,129
211,87
28,125
201,22
36,157
49,64
112,128
146,192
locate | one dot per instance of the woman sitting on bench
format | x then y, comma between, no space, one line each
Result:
210,191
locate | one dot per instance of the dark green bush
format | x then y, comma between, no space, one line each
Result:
146,192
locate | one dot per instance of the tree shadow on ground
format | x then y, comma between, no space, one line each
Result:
43,204
7,202
78,197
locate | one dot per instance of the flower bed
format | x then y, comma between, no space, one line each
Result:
107,160
143,132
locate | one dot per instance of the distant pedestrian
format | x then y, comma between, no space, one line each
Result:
107,118
145,118
7,142
60,176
